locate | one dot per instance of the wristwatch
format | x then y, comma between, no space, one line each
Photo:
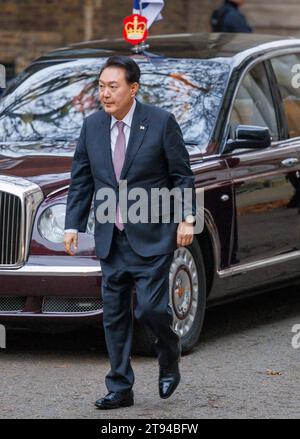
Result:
190,219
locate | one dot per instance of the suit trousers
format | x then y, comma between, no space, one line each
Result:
123,270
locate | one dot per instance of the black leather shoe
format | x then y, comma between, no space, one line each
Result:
169,379
114,400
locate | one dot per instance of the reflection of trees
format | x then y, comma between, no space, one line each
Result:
54,108
87,99
51,103
190,89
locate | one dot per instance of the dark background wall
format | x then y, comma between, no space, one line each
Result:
30,27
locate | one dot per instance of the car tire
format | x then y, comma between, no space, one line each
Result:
187,300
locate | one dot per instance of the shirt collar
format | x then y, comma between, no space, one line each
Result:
127,119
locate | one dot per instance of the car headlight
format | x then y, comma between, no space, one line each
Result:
52,223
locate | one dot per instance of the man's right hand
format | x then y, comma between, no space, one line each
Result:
69,240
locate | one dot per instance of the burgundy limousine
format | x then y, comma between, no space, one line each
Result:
237,100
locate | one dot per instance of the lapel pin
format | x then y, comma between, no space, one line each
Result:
142,127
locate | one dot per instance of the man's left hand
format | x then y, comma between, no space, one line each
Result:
185,234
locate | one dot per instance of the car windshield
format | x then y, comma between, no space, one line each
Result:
48,103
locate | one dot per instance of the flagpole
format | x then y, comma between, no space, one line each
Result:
139,48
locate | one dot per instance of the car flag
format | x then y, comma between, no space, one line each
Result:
151,9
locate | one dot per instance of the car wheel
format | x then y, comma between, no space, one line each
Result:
187,299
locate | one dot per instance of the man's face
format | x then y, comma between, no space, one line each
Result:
116,95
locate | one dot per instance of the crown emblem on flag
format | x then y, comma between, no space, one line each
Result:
135,29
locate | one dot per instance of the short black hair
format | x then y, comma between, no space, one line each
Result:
132,70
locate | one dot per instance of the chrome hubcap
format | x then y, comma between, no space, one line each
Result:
184,287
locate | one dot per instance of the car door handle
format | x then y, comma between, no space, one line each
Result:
288,163
225,197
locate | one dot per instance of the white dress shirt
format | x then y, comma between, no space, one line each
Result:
114,129
113,137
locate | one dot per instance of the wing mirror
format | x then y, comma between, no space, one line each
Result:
248,136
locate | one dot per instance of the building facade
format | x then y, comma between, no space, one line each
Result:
29,28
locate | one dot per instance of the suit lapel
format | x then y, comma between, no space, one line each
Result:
137,133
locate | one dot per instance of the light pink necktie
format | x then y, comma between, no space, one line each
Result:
118,161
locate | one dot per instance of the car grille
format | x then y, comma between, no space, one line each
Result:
10,228
19,201
12,304
71,305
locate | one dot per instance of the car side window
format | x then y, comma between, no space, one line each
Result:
253,104
285,72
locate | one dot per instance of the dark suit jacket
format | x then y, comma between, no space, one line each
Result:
156,157
233,20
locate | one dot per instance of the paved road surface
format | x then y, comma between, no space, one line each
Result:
229,374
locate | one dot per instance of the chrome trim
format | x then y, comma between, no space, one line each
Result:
214,234
10,209
40,315
184,290
289,162
54,270
31,197
58,190
225,197
284,46
244,268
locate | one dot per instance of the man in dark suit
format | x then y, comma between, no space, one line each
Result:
228,18
143,146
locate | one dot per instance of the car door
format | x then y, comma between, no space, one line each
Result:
266,225
286,70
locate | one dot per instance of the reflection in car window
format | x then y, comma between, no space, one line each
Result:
283,68
51,103
253,104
